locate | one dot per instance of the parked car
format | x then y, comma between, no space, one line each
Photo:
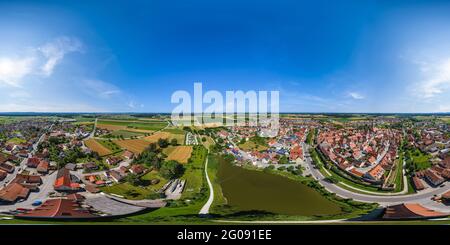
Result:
36,203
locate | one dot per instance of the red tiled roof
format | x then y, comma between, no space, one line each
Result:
410,211
58,208
13,192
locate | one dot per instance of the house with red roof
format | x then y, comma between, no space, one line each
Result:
64,182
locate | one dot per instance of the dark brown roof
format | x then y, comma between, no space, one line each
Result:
417,183
28,179
7,167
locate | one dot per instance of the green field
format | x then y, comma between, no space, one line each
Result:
174,130
194,174
123,133
110,145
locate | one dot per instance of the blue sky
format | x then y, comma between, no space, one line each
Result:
323,56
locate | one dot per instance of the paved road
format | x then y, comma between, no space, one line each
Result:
42,195
421,197
205,208
92,134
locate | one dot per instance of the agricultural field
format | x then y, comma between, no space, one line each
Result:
124,134
174,130
445,119
81,119
110,145
129,124
134,145
110,127
180,154
94,145
166,135
156,136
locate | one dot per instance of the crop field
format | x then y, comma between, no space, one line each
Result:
180,154
128,124
445,119
97,147
113,147
135,145
156,136
166,135
110,127
127,133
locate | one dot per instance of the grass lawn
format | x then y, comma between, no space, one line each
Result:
154,175
251,145
255,143
419,160
16,140
137,192
128,191
194,174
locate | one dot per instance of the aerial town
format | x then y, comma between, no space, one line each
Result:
114,167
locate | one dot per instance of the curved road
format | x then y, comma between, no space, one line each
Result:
421,197
205,208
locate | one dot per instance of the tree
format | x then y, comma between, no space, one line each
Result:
332,179
163,143
152,147
283,160
133,179
171,170
174,142
203,139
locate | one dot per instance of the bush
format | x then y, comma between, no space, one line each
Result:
163,143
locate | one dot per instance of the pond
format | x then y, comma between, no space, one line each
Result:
256,190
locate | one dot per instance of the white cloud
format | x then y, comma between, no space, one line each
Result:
54,52
100,89
13,70
436,79
356,95
39,61
49,107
